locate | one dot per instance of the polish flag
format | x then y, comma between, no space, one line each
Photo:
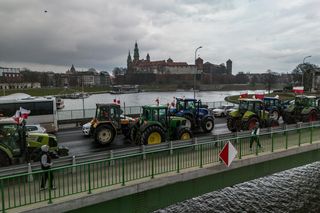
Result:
24,113
244,95
17,116
259,96
298,90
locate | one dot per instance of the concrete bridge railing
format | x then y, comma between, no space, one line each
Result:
24,189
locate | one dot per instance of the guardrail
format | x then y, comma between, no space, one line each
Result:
121,166
128,110
89,156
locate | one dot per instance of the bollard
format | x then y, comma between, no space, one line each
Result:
30,176
171,148
73,164
143,147
195,142
111,158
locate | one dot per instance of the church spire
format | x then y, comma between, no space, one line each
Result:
136,52
148,57
129,61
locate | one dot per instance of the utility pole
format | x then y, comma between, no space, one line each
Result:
196,71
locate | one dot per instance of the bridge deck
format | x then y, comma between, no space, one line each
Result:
71,181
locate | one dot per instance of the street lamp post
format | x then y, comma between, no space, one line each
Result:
194,75
309,56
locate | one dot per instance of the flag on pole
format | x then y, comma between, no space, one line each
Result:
24,113
298,90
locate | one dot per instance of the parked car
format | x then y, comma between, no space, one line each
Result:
222,111
35,128
86,128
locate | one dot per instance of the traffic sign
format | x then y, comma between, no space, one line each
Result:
228,153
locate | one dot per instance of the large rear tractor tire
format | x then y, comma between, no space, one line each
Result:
233,124
287,118
272,123
312,116
184,134
105,134
207,124
251,123
4,159
153,135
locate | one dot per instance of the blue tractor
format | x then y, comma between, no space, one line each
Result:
274,106
198,116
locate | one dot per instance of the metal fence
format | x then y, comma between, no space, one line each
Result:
24,189
128,110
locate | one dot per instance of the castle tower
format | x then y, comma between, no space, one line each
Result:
136,52
129,63
229,67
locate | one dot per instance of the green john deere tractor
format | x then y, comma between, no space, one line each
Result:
304,108
155,125
250,112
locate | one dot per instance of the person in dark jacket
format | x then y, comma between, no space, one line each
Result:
46,164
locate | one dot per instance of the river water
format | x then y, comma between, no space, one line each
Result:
294,190
142,98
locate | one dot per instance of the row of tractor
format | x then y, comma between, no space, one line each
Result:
268,110
156,124
159,123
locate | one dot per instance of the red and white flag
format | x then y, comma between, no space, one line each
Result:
228,153
298,90
24,113
17,116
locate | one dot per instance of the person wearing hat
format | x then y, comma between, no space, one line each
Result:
46,164
255,136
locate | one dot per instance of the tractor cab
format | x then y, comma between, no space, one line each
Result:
155,113
252,105
108,112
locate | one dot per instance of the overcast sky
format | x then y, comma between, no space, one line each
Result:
255,34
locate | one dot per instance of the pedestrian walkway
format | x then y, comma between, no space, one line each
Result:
24,189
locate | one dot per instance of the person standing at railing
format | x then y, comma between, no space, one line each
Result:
255,136
46,164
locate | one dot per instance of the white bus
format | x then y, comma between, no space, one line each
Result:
43,109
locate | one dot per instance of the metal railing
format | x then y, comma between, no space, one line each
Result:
128,110
24,189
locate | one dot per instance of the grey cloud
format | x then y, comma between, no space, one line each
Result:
256,35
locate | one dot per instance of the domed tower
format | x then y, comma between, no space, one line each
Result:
136,52
129,63
229,67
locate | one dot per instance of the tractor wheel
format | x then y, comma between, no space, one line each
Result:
105,134
134,136
272,123
4,159
184,134
251,123
191,123
287,118
312,116
207,124
275,115
34,154
153,135
232,124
